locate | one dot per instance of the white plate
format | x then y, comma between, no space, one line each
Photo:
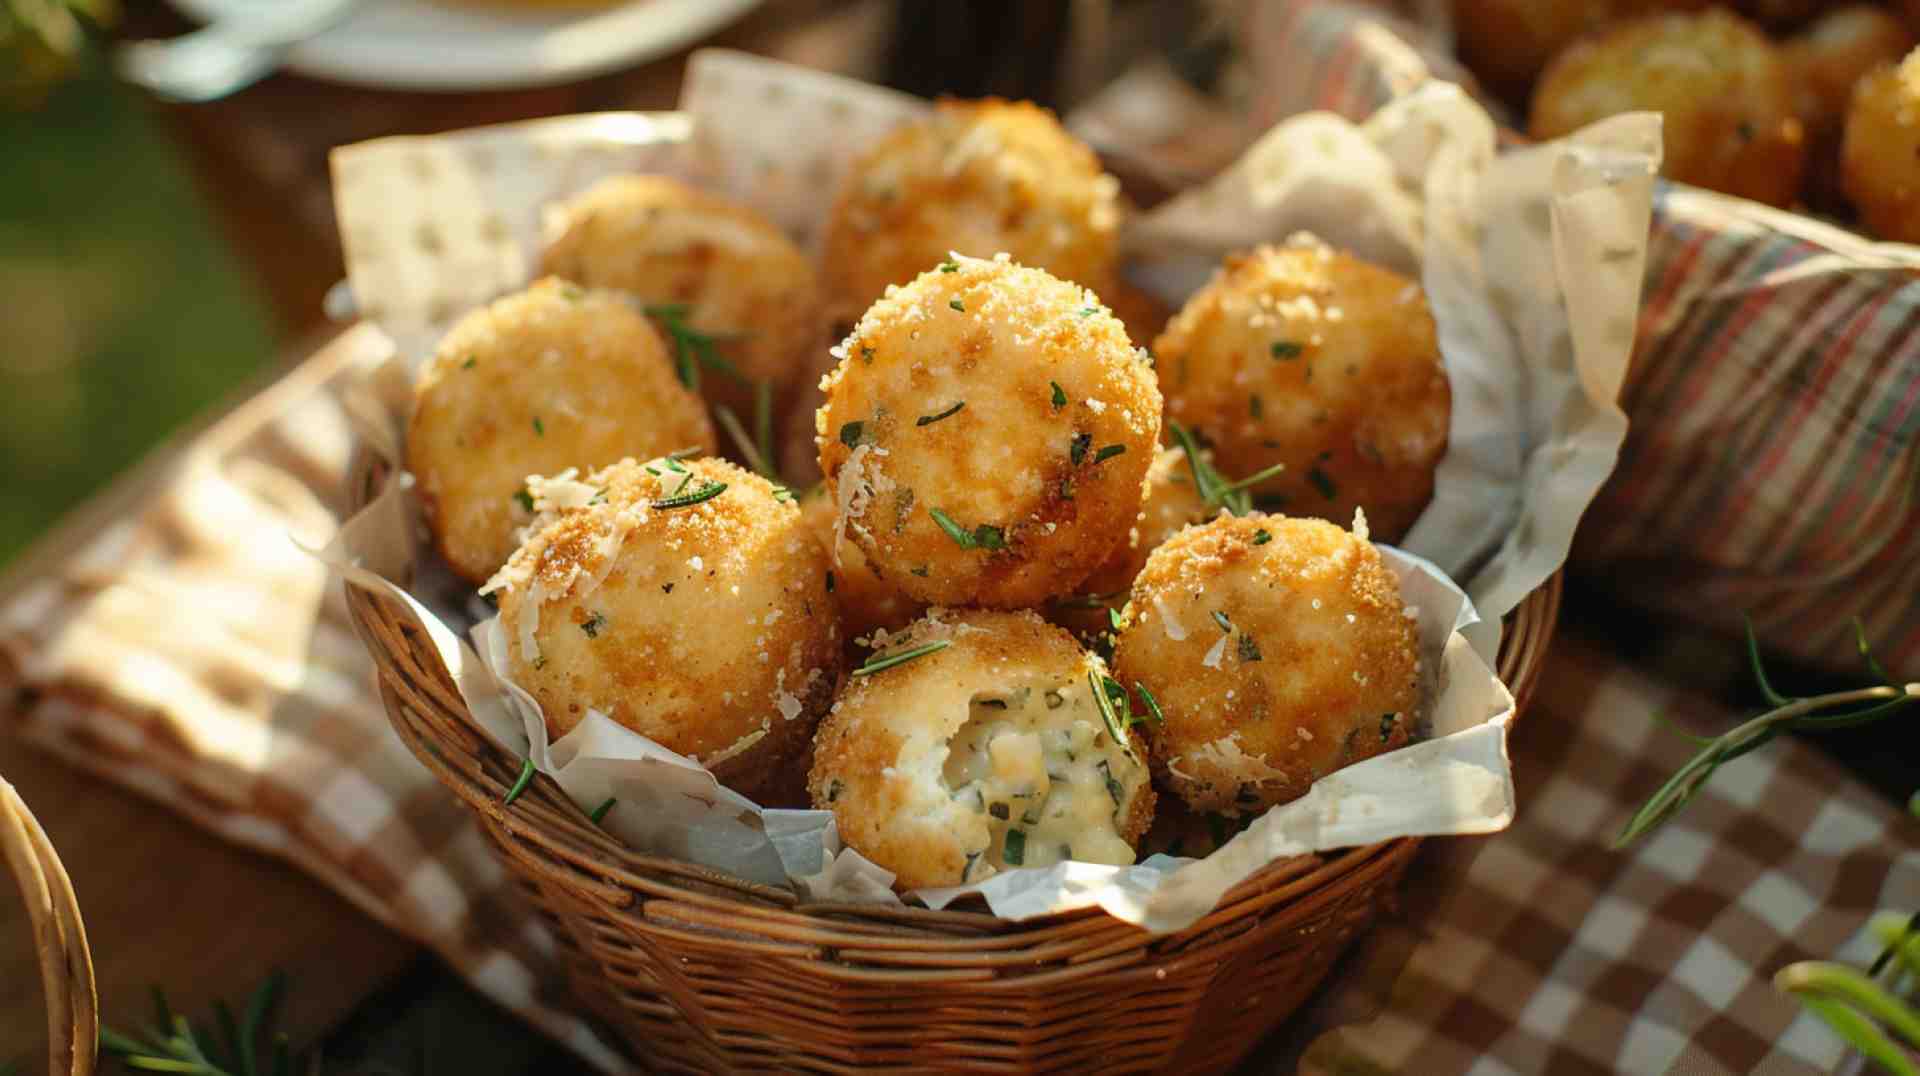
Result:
421,45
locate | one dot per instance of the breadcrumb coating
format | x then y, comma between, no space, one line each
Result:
553,377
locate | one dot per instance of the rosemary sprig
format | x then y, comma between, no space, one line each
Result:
1216,489
707,492
520,783
1856,1007
692,348
177,1044
888,661
757,450
1840,709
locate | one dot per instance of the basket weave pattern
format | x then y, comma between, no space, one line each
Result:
700,972
60,938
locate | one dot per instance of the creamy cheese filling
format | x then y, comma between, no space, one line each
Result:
1040,765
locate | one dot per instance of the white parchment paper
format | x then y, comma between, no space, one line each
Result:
1497,240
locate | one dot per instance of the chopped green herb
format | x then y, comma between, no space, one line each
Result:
539,430
928,420
866,354
782,495
704,493
1254,407
833,790
960,535
1114,788
949,266
1089,311
988,536
1015,852
851,433
920,571
1066,488
1000,811
593,624
1077,451
957,305
883,663
1220,618
525,499
1249,650
1261,537
1387,722
1108,453
1105,703
470,363
829,581
1322,482
599,813
1153,704
692,348
1059,395
520,783
1113,617
1286,349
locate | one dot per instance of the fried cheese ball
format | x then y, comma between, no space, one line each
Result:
1726,93
1279,650
866,600
739,278
987,434
553,377
1880,151
684,600
988,753
1309,357
981,178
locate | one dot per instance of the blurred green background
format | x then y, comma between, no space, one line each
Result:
122,312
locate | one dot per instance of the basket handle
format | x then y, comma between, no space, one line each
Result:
66,965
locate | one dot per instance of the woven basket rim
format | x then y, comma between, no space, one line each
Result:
431,719
59,934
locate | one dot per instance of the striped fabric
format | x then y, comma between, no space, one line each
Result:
1774,457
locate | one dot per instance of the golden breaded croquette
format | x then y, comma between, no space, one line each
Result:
1880,151
1506,43
687,601
992,751
866,600
987,434
1279,650
1725,91
978,177
739,278
553,377
1309,357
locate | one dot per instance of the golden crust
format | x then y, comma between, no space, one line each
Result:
698,625
739,276
1727,96
1880,152
1055,484
880,752
1172,503
1310,357
866,600
1507,42
979,177
549,378
1322,649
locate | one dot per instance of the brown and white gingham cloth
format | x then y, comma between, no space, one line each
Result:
191,652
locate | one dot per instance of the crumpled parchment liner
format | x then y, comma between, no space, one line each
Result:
1534,366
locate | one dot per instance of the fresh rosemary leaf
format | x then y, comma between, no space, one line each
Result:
1108,453
1059,395
1773,697
681,500
1220,618
850,434
600,812
1286,349
928,420
520,783
883,663
961,536
1153,704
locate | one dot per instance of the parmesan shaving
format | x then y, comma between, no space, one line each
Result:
1212,660
739,746
1168,622
1360,530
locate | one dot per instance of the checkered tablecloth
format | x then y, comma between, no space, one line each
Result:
191,651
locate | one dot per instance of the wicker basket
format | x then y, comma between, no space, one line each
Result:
697,971
66,965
